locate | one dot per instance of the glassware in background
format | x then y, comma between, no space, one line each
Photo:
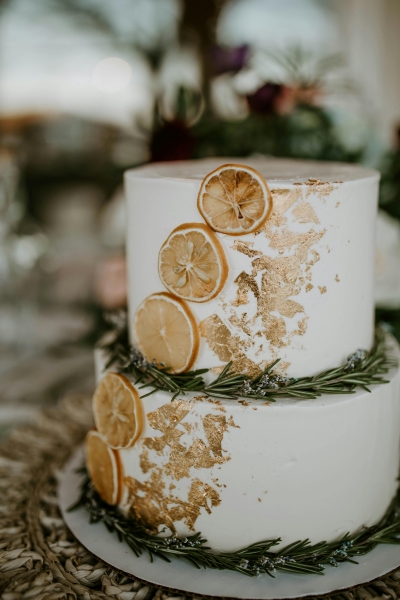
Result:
22,244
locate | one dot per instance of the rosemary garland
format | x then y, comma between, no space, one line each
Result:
361,370
300,557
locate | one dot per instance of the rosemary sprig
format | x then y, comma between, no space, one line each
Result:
361,370
300,557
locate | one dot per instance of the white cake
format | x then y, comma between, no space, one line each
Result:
300,289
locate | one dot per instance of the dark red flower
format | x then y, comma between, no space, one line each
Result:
264,100
172,141
229,60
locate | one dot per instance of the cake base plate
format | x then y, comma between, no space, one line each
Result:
184,578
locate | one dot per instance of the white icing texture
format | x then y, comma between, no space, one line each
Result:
300,289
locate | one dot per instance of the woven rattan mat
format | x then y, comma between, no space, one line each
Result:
39,558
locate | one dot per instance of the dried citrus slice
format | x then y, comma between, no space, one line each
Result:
166,332
117,411
234,199
104,468
192,263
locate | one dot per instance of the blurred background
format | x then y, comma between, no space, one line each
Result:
89,88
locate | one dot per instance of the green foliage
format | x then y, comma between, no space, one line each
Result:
390,184
392,318
307,132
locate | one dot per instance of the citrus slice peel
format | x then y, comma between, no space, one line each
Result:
104,468
166,332
118,411
192,263
234,199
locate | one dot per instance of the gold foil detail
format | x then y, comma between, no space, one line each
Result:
304,213
337,278
217,370
217,403
231,423
302,327
286,240
228,347
181,458
154,508
245,285
245,248
145,463
149,500
282,200
214,428
241,323
166,419
271,284
218,337
282,367
316,258
322,289
321,188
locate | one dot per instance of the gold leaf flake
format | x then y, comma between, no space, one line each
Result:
245,285
245,248
286,240
322,189
231,423
154,508
228,347
302,327
240,323
304,213
282,200
217,403
149,500
145,463
218,337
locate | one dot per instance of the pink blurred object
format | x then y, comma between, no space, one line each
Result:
276,98
290,97
110,285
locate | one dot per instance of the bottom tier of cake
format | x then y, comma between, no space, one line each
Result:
240,472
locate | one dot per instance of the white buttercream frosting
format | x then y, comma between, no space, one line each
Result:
311,265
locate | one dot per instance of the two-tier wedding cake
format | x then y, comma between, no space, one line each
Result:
248,262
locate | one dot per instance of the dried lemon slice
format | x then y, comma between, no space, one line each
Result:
234,199
117,411
192,263
166,332
104,468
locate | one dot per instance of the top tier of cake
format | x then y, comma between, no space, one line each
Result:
299,289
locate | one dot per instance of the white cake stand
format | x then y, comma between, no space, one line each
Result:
185,578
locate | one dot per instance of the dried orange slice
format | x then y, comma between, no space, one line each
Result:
117,411
234,199
192,263
166,332
104,468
